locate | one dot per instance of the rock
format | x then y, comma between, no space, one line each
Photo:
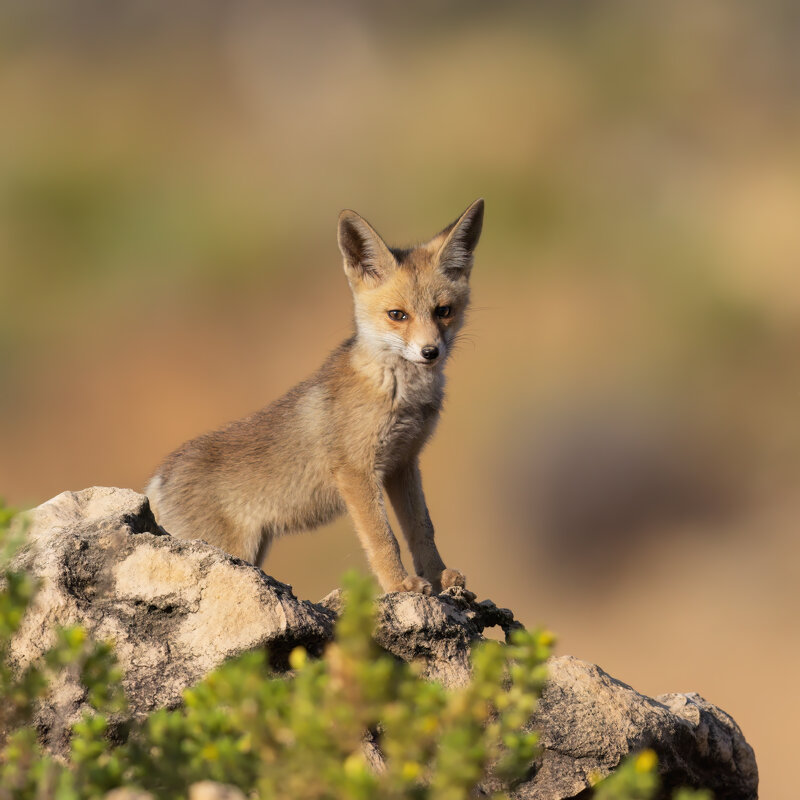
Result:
174,609
177,609
589,721
438,631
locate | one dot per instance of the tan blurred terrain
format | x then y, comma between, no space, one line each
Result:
620,451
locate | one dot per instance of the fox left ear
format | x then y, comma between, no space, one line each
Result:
460,240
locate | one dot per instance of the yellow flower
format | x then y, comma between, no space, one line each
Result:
210,752
547,638
429,723
298,658
76,637
646,761
354,765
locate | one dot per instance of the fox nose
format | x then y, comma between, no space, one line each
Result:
430,353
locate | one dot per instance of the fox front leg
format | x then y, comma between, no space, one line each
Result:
404,488
364,500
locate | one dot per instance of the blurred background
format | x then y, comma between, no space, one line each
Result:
620,451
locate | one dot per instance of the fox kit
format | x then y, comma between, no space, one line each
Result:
336,441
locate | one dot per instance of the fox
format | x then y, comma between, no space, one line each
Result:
353,431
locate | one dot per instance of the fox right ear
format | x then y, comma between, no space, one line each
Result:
460,240
366,256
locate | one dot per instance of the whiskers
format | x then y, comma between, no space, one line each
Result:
468,337
462,338
394,342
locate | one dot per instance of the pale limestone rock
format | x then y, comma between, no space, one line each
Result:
157,575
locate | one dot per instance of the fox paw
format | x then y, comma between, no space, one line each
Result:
452,577
413,583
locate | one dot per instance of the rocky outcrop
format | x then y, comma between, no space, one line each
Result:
589,721
177,609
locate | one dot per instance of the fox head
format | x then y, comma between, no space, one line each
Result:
410,302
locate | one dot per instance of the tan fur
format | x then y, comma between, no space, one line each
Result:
336,441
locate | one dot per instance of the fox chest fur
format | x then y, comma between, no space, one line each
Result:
377,416
405,417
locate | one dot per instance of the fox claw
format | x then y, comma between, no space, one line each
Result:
413,583
452,577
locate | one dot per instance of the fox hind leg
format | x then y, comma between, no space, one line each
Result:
267,537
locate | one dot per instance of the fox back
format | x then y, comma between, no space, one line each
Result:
355,428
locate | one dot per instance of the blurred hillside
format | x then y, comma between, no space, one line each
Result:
620,452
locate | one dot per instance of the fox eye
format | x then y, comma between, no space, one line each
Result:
443,311
397,315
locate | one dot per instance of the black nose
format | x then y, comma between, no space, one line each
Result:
430,353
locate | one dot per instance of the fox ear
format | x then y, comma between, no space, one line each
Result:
366,256
460,239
